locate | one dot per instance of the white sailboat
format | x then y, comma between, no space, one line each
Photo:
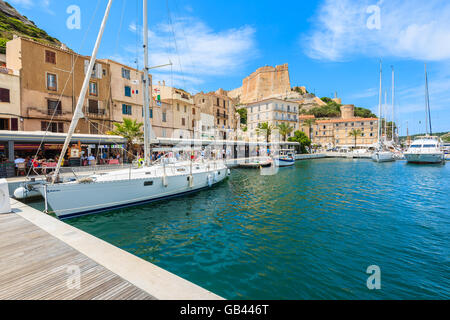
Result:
381,154
429,148
126,187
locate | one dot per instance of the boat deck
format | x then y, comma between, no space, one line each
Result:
35,265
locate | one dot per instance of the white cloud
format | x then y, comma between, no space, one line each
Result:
196,50
412,29
23,3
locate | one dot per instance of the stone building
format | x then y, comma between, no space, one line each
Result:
185,114
222,107
274,112
49,89
10,118
264,83
336,132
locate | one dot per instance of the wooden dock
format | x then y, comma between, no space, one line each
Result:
43,258
37,266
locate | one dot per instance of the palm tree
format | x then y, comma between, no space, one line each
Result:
265,127
285,130
131,130
309,123
355,133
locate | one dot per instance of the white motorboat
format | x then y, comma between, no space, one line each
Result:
257,163
427,149
126,187
286,158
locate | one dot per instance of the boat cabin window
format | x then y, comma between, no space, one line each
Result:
416,146
429,146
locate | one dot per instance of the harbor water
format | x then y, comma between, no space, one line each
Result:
309,232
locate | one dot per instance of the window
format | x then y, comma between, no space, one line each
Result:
4,95
53,127
14,124
178,107
218,101
93,89
54,107
51,82
4,124
93,128
185,109
183,121
127,91
93,106
50,57
151,113
125,73
164,117
193,111
126,109
193,123
164,134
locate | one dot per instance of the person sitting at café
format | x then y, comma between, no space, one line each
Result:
91,160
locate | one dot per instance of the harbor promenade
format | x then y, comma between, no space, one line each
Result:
44,258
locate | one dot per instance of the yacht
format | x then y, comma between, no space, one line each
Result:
137,185
427,149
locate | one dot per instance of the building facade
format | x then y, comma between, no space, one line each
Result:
50,82
336,132
185,114
10,118
274,112
222,108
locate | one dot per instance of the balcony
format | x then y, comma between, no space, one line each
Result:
96,112
47,113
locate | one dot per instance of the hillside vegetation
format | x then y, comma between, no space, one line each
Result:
332,109
13,23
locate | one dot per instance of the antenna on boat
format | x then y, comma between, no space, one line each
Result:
427,104
78,113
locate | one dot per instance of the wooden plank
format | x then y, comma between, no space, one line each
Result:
33,265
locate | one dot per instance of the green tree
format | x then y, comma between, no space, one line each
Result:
285,130
131,130
266,129
243,114
309,123
301,138
355,133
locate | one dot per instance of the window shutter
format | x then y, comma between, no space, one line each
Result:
61,127
44,125
99,71
86,66
14,124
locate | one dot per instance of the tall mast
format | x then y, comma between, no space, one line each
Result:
78,113
379,106
385,115
393,104
427,103
147,124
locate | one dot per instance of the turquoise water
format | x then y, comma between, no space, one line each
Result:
309,232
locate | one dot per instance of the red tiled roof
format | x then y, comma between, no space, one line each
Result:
347,120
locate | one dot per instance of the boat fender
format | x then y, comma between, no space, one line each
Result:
164,181
21,193
210,180
5,204
191,181
228,172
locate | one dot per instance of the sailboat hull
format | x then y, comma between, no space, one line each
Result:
70,200
383,157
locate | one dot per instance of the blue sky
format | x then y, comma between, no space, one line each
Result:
329,45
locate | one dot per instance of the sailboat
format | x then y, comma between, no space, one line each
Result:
128,187
381,154
428,148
